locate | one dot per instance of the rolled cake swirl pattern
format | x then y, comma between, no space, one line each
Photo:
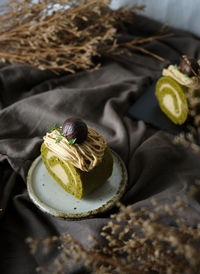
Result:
84,156
172,99
74,180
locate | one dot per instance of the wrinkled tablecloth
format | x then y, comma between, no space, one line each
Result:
31,99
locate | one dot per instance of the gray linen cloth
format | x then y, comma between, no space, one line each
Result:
31,100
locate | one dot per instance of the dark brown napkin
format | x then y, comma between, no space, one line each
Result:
31,100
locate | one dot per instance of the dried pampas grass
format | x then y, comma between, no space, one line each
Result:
158,239
191,138
63,35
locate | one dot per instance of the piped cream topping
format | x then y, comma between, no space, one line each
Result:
84,156
181,78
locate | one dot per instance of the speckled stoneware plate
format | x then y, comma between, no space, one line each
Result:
52,199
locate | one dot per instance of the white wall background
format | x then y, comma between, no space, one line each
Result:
183,14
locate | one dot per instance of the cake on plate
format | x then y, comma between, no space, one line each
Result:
77,157
176,83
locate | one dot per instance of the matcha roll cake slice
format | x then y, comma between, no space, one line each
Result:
172,99
175,87
77,157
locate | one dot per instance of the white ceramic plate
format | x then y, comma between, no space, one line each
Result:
52,199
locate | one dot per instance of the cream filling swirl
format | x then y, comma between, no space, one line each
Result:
84,156
191,83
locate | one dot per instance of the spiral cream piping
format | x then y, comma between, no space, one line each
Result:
84,156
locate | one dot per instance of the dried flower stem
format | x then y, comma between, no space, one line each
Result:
150,53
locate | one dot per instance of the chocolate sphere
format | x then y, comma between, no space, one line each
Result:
189,67
74,128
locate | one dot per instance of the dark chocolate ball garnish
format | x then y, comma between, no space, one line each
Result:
189,66
74,128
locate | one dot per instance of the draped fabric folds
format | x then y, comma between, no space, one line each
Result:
31,100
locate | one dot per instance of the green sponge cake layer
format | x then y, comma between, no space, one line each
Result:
172,99
73,180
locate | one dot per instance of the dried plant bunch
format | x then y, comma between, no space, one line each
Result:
191,138
158,239
190,67
62,35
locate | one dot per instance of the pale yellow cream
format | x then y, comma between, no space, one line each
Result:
168,101
192,83
59,171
